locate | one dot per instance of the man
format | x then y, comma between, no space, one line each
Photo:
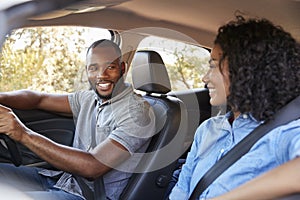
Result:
112,123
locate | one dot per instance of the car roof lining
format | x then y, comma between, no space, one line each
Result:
197,19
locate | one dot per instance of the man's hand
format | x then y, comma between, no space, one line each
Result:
10,124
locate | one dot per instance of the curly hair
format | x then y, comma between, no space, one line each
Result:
264,66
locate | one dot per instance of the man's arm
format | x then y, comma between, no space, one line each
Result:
281,181
26,99
74,160
63,157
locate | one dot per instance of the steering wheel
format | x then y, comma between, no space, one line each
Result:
13,150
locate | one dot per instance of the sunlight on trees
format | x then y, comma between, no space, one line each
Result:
186,64
188,70
52,59
46,59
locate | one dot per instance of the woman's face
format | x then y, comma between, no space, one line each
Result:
217,81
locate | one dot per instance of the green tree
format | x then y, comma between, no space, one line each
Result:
44,58
51,59
188,68
186,64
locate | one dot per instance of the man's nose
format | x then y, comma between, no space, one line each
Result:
101,71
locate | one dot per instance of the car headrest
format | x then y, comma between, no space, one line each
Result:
149,73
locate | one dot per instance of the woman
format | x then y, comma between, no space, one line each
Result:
255,70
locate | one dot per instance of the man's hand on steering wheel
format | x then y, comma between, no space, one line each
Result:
11,130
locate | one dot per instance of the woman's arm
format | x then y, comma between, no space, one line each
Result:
281,181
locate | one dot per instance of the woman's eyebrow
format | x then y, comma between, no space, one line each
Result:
212,60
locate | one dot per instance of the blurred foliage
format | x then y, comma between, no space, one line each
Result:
186,64
52,59
46,59
188,68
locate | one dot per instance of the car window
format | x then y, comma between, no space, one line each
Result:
185,63
47,59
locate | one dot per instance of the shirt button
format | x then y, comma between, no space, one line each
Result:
245,116
222,150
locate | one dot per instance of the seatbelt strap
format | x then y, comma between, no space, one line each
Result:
287,114
99,189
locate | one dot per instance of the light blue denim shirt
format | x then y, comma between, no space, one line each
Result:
215,137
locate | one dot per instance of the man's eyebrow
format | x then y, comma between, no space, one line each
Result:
111,62
92,64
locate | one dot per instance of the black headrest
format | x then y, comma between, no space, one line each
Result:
149,73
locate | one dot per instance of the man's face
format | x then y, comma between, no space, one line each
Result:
104,70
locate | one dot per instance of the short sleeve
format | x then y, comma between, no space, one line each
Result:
135,125
77,99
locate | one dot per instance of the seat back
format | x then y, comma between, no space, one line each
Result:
153,173
198,108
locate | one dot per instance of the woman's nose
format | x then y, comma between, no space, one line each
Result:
205,78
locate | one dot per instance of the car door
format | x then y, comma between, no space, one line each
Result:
56,127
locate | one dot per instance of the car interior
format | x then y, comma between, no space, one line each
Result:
171,124
178,113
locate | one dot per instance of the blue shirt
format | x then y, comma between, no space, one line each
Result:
216,136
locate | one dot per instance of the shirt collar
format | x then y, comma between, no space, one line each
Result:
241,116
99,102
241,119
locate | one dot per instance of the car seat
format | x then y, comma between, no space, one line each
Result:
149,76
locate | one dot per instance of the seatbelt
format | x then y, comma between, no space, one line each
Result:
99,189
288,113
